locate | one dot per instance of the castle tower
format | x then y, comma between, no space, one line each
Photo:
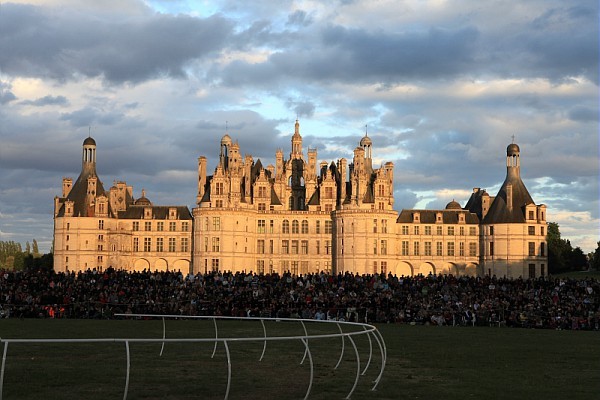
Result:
513,230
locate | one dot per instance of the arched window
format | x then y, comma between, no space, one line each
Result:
305,227
295,227
285,227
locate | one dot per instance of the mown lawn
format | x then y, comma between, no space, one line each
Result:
423,363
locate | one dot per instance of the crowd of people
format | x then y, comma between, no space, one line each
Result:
437,300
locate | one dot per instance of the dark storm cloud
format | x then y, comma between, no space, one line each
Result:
59,44
47,101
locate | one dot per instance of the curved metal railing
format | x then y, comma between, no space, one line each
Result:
358,329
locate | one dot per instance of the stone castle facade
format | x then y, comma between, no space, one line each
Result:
302,216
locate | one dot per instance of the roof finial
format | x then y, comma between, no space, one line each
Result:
143,192
90,131
226,126
513,138
366,131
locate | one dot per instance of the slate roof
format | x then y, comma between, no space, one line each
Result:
500,211
158,212
429,216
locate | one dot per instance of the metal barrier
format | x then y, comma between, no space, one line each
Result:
360,329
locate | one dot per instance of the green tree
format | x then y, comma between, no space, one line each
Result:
27,247
36,250
595,257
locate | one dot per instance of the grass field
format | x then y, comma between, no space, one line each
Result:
423,363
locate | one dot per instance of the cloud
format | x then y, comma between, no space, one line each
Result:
47,101
63,44
6,95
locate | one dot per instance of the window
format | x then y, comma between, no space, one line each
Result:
271,246
328,208
305,247
542,233
427,248
147,226
374,226
285,247
205,244
542,270
405,229
428,230
160,226
219,204
295,227
328,247
329,193
206,226
384,226
416,229
147,244
262,191
305,227
384,267
491,248
461,249
100,259
172,226
271,226
294,247
68,225
405,247
542,249
172,245
328,227
216,223
136,244
384,247
472,231
294,268
374,246
531,230
531,270
439,249
136,226
216,244
260,266
160,244
318,227
261,226
318,247
262,207
185,226
450,231
491,230
450,248
472,249
532,248
380,190
462,231
100,247
185,245
215,264
219,188
416,248
375,264
285,226
531,215
101,224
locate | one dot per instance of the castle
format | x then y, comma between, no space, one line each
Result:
301,216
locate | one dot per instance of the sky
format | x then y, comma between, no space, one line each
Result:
440,86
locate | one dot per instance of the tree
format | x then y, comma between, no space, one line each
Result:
558,249
27,248
578,260
595,258
36,250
